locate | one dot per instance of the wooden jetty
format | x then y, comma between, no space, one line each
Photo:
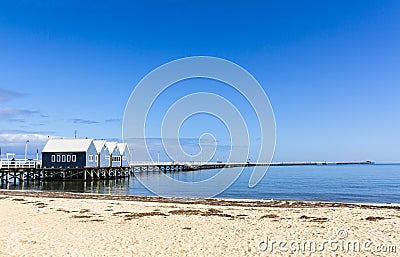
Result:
17,170
21,170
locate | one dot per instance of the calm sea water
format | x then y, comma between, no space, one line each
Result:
343,183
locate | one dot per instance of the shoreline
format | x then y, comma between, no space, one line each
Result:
206,201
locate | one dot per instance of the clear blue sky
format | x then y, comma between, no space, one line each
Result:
330,68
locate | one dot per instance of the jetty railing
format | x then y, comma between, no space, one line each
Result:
18,163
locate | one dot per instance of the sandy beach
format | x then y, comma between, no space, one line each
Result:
65,224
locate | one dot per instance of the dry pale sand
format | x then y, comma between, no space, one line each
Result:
62,224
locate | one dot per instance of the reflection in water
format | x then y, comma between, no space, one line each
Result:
118,186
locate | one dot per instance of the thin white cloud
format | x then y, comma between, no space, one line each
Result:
20,131
16,120
6,113
7,95
83,121
113,120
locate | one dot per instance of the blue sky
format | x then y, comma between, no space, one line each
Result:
330,68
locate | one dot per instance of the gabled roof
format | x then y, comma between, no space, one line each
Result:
122,147
67,145
111,146
99,144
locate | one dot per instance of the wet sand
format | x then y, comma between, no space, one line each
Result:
67,224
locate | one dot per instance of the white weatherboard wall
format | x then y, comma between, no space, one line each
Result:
102,153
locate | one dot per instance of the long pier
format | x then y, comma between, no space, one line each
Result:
187,166
13,171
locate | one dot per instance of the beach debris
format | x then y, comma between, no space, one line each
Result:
269,216
371,218
314,219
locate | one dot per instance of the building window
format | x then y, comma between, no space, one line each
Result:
96,158
53,158
116,158
63,158
74,158
68,158
107,157
58,158
90,159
